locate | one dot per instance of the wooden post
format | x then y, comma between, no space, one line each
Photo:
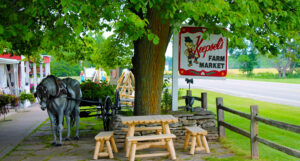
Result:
189,93
220,113
254,132
204,100
34,77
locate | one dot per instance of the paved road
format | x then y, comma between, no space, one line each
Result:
18,126
281,93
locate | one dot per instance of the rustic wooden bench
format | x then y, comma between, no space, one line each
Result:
134,145
196,133
156,128
107,137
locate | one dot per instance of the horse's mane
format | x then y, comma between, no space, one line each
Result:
60,86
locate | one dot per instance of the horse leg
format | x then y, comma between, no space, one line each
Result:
60,126
53,126
77,111
69,127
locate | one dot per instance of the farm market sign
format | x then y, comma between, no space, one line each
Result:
199,57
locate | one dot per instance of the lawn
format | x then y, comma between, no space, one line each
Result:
266,75
279,80
240,144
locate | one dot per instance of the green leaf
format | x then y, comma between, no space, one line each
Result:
156,40
1,29
150,4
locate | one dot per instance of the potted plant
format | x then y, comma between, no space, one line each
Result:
26,96
4,101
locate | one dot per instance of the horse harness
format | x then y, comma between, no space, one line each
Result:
60,89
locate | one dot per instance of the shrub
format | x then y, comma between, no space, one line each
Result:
13,100
94,91
166,101
27,96
4,100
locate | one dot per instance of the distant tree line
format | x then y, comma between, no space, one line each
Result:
64,68
249,58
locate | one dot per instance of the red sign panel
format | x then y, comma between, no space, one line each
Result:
199,57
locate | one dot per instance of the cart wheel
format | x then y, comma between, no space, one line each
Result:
107,113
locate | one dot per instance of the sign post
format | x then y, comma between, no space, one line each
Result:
197,57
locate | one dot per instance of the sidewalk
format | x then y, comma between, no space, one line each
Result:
18,126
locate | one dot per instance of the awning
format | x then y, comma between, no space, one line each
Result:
8,61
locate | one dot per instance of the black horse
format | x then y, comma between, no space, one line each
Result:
61,98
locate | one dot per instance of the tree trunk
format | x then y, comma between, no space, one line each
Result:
283,73
285,67
292,68
148,66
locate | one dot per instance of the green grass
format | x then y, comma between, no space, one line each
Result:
279,80
239,144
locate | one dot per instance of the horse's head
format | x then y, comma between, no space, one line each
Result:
49,88
42,95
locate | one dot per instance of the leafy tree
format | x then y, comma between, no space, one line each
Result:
247,63
110,53
63,68
247,59
148,25
287,61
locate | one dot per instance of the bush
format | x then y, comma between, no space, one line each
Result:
166,101
13,100
94,91
27,96
8,99
4,100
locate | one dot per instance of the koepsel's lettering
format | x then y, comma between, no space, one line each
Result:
211,65
205,49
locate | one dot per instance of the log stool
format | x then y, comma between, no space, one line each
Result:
106,137
196,133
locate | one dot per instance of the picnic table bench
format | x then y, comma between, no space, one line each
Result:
165,139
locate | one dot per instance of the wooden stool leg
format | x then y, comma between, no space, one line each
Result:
205,144
199,141
132,151
130,133
97,150
101,145
172,149
125,143
192,151
114,144
187,138
110,153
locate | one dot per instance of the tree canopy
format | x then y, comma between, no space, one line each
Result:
146,26
28,26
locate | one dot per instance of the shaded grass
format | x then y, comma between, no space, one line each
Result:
239,144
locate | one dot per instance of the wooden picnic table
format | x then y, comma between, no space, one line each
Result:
164,120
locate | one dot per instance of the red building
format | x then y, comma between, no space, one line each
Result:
18,75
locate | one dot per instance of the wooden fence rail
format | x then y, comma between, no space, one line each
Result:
202,99
253,134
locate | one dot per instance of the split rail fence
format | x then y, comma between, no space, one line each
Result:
253,134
